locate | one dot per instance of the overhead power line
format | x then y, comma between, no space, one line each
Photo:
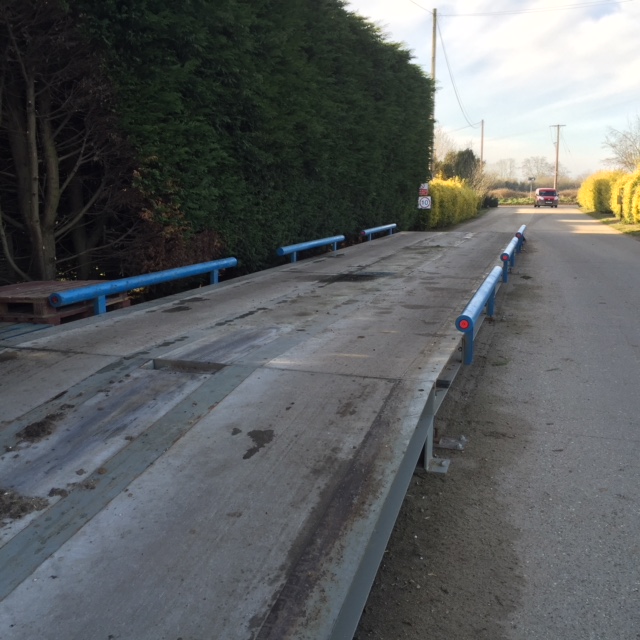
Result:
566,7
453,82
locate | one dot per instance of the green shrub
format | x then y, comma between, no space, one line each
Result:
452,201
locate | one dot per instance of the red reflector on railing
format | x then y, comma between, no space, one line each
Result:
464,324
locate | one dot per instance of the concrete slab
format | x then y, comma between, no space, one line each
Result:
29,377
245,447
248,477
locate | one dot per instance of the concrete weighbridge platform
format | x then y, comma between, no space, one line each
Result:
227,463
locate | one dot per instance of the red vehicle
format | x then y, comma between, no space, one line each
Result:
546,197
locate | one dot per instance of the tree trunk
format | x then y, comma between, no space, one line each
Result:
23,140
38,242
52,191
16,132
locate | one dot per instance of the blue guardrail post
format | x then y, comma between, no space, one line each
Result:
466,322
293,249
385,227
99,292
520,236
508,257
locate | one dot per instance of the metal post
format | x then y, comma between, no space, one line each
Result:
100,305
505,271
427,419
467,347
491,303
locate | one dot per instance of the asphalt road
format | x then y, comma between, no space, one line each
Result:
533,532
570,343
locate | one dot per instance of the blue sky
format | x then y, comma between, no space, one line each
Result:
524,66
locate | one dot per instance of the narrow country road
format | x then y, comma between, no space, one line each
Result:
534,532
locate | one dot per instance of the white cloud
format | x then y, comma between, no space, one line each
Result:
523,66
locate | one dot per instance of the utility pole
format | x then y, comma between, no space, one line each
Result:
433,48
433,83
555,175
482,145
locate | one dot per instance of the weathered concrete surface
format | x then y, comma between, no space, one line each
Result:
218,461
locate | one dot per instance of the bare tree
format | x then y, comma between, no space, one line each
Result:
443,144
625,146
504,169
67,169
481,181
537,167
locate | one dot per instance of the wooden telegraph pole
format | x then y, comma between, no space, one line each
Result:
433,48
431,166
555,175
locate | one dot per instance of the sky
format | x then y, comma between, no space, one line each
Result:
523,67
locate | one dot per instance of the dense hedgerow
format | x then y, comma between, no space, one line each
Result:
232,126
623,193
595,192
612,192
452,202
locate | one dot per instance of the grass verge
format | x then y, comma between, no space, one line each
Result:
610,220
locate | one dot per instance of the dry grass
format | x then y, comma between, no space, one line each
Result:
505,194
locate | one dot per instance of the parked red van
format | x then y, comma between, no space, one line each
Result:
546,197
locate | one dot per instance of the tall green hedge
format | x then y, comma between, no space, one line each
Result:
267,122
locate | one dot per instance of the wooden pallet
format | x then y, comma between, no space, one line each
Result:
29,302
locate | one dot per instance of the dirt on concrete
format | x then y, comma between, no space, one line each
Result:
450,571
40,429
14,506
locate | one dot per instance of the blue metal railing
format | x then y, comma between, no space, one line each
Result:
508,258
385,227
485,296
520,236
293,249
467,322
99,292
